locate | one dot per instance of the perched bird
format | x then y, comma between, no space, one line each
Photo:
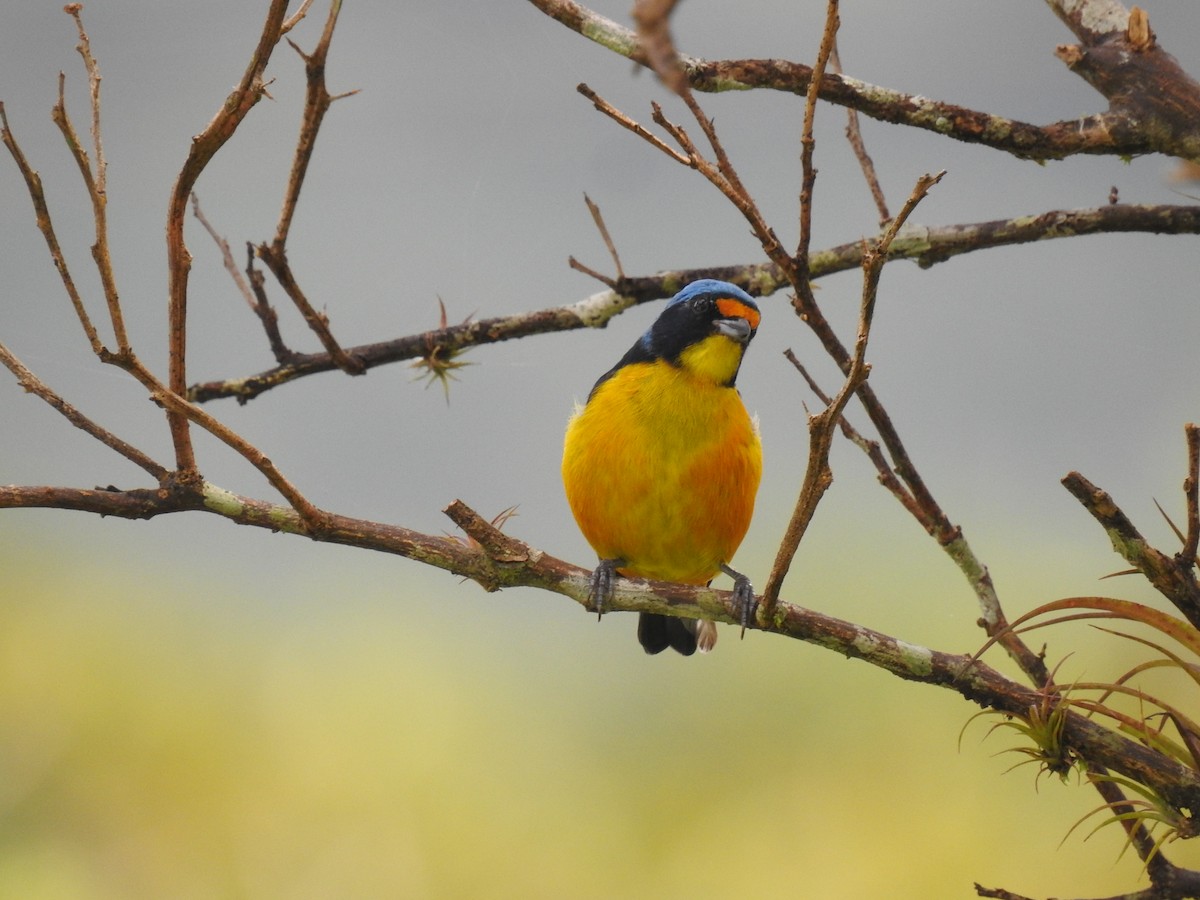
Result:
662,464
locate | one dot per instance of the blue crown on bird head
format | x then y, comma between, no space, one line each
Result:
712,287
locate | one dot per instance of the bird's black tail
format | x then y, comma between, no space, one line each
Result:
656,633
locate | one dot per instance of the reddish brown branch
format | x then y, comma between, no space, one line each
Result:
316,105
625,122
1151,98
274,255
808,173
295,19
1168,100
1191,490
1173,577
819,475
855,138
994,621
179,261
95,177
724,178
887,477
45,225
266,312
249,285
227,259
496,561
443,341
926,245
34,385
598,218
654,36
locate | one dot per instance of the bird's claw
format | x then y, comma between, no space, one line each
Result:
603,584
743,598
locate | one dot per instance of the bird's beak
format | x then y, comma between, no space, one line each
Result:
737,329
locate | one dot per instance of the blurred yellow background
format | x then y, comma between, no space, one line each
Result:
171,734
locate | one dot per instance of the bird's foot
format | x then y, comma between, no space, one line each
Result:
603,583
743,598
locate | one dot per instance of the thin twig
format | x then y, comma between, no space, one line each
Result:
45,225
295,19
1171,576
804,301
731,189
284,355
94,179
724,163
93,71
227,259
624,121
317,103
887,477
854,137
654,33
818,475
994,621
807,143
203,147
313,517
34,385
926,245
274,256
658,46
249,284
591,273
608,241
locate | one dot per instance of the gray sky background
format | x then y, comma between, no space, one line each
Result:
458,173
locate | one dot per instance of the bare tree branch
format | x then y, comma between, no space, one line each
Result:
1191,491
295,19
496,561
854,136
95,179
925,245
1113,133
34,385
249,285
808,172
1172,575
274,255
45,225
819,475
1091,20
179,261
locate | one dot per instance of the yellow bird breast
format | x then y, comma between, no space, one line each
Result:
661,469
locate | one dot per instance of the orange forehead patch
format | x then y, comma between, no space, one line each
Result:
736,309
